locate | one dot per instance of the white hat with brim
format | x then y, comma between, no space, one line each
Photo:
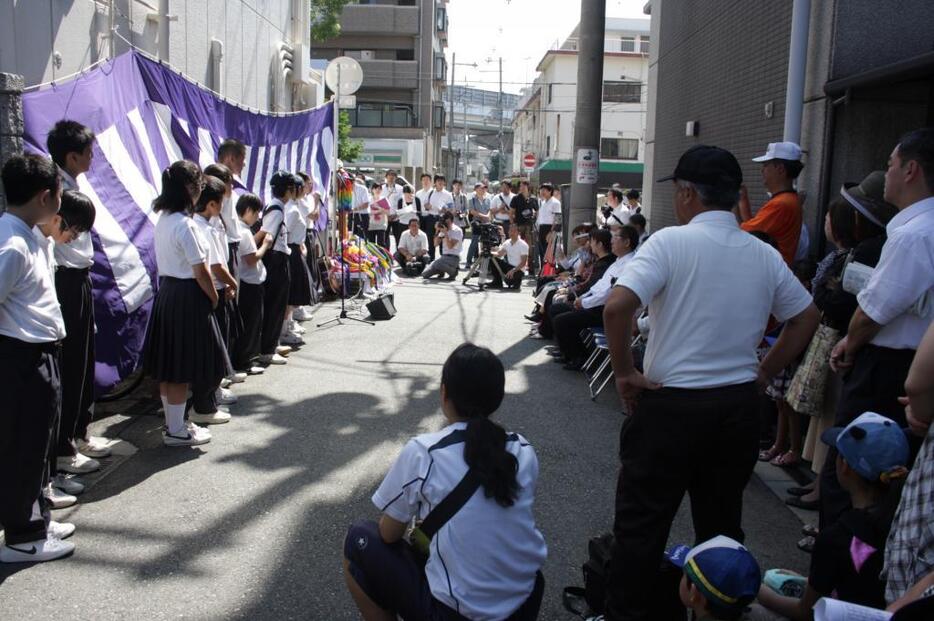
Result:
780,151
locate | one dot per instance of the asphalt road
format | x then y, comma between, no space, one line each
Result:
251,525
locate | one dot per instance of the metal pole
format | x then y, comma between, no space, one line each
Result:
164,30
450,120
797,65
111,42
466,152
586,153
502,150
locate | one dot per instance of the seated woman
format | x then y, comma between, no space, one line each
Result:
484,560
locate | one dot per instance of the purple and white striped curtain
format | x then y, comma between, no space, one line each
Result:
147,116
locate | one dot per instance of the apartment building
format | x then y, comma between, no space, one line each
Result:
544,121
399,115
254,54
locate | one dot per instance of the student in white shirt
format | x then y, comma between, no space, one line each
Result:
71,147
632,202
413,248
484,559
710,288
887,328
206,397
379,218
434,204
252,277
549,213
459,199
408,207
182,346
588,308
296,224
516,253
361,206
450,239
276,262
31,328
392,192
501,205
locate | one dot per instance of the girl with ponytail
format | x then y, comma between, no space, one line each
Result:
470,489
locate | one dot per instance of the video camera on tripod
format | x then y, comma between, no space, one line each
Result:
490,235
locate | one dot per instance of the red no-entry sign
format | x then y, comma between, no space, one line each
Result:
528,162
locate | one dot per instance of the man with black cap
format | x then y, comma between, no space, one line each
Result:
693,421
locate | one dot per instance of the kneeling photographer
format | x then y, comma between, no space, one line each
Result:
450,239
516,253
412,251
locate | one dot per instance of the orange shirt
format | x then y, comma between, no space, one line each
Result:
780,218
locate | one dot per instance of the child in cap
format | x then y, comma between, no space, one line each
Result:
721,578
848,555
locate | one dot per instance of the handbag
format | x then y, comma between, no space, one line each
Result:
805,393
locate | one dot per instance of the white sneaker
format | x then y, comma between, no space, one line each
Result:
57,498
237,378
296,328
224,396
273,359
216,418
255,371
283,350
302,314
225,383
291,339
186,438
79,464
197,430
47,549
67,485
95,447
60,530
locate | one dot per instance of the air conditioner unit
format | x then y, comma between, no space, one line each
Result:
300,58
367,55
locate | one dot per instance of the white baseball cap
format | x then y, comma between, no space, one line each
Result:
780,151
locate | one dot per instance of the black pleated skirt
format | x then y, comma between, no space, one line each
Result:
183,342
300,280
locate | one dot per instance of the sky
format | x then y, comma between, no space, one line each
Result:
521,31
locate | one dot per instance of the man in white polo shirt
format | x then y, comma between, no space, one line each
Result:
413,250
516,253
693,424
895,308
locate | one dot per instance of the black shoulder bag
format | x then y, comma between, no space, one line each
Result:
439,516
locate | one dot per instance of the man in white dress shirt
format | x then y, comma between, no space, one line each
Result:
693,421
895,308
437,202
392,192
31,330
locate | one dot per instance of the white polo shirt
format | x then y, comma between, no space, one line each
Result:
500,201
483,561
361,198
29,309
904,274
515,251
179,246
413,243
710,288
256,274
456,233
274,224
216,246
79,253
548,211
230,220
599,293
295,221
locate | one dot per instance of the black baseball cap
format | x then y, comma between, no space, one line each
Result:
708,166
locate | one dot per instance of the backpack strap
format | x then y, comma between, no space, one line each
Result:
275,207
452,503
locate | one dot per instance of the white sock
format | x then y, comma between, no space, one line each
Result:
165,403
175,418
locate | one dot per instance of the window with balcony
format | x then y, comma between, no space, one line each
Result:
627,44
441,19
619,148
441,67
622,92
645,44
382,115
438,117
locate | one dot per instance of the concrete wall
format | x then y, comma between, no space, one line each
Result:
34,34
11,122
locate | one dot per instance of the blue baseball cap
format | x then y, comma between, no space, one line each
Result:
722,569
872,445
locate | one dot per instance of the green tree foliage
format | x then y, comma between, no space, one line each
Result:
347,149
325,18
495,165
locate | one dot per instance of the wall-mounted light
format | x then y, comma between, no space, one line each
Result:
692,128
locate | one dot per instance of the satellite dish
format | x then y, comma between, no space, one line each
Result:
343,75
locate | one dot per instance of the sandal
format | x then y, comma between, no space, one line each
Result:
786,460
770,453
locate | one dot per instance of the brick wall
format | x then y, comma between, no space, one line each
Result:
719,67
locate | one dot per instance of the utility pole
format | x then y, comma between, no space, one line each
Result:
502,150
586,153
466,151
450,120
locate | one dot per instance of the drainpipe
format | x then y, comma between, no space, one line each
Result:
797,64
164,30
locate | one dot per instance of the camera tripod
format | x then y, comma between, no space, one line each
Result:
481,269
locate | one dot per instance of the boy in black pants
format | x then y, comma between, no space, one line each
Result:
70,146
31,330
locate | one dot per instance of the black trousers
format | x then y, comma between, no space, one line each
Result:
380,238
29,418
424,260
251,312
275,299
874,384
361,223
397,228
515,282
568,326
543,231
702,442
552,312
505,224
73,287
428,225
